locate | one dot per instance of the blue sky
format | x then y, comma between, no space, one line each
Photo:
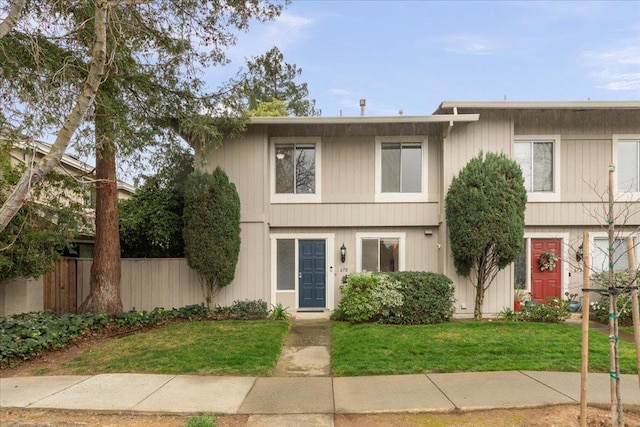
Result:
411,55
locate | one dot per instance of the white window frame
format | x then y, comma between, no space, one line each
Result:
296,198
402,197
330,260
625,195
402,237
604,235
544,196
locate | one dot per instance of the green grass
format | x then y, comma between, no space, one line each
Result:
214,348
203,420
371,349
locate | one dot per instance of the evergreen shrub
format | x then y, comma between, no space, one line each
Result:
408,298
428,298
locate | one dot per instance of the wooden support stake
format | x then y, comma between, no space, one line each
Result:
635,314
584,370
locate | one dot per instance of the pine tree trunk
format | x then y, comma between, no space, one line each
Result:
104,292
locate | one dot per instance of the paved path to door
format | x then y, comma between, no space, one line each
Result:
307,348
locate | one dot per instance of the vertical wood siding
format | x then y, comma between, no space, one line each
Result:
245,162
252,278
348,175
493,133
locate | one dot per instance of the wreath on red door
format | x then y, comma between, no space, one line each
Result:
547,261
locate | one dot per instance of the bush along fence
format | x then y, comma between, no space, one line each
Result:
25,336
406,298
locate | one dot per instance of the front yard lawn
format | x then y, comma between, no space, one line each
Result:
216,348
372,349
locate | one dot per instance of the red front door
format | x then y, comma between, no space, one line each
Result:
545,283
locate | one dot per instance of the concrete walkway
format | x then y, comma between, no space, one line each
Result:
301,392
305,395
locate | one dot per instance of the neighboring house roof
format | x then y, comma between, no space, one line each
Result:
125,190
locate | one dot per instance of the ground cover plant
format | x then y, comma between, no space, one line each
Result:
25,336
553,310
373,349
231,347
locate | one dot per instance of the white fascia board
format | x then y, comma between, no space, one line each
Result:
438,118
44,148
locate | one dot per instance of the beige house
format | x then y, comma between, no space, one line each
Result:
323,197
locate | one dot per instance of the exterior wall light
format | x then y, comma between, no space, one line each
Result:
343,253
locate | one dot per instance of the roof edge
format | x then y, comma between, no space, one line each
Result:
436,118
538,105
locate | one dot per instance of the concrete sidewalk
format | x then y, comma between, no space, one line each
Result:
308,395
301,392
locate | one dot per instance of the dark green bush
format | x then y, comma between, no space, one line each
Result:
428,298
407,298
23,336
245,310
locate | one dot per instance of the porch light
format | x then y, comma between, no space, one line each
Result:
280,155
343,253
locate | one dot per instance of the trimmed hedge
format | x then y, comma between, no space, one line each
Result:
428,298
405,298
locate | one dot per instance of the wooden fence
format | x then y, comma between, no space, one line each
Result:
145,284
60,287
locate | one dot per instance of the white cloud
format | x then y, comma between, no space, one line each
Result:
468,44
340,92
287,29
616,68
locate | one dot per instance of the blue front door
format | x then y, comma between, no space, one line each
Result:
312,275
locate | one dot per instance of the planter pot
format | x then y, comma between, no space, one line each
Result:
574,306
516,305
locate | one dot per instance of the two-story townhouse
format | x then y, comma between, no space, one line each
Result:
326,196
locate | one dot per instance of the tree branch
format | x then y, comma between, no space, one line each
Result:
12,18
22,189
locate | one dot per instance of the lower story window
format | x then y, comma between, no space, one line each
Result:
381,253
286,268
600,257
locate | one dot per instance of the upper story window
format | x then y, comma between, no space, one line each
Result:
628,165
295,166
401,165
538,158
